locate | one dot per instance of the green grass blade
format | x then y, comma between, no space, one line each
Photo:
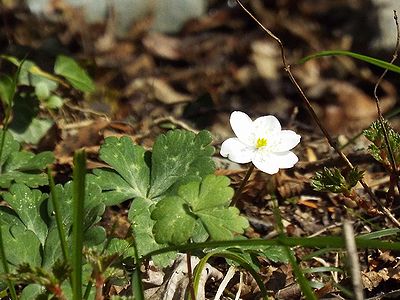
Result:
199,268
380,234
57,215
371,60
230,255
77,217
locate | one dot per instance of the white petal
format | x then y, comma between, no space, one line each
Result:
242,126
285,141
237,151
264,126
266,163
285,159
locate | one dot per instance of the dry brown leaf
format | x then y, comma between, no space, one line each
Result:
266,57
163,46
158,89
372,279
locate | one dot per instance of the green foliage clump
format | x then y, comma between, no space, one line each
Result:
379,148
332,180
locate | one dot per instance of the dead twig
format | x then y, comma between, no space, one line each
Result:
307,103
353,261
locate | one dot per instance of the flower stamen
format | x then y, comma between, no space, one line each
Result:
261,142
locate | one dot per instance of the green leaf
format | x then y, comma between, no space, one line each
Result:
52,248
174,223
142,226
42,91
25,125
32,134
274,253
221,223
178,154
131,176
207,201
21,245
10,146
22,167
30,74
94,236
7,90
329,180
93,210
354,176
214,192
9,217
120,247
379,148
27,204
78,77
54,102
371,60
32,291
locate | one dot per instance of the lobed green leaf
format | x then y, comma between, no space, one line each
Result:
206,201
178,154
27,204
16,239
21,166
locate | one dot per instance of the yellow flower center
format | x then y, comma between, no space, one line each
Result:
261,142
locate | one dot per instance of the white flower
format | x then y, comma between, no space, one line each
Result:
261,142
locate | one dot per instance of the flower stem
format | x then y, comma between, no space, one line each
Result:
242,185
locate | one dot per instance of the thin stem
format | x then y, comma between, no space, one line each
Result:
190,275
310,109
242,185
77,228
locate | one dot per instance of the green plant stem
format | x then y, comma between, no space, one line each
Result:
242,185
87,290
4,262
57,215
77,227
136,278
190,275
